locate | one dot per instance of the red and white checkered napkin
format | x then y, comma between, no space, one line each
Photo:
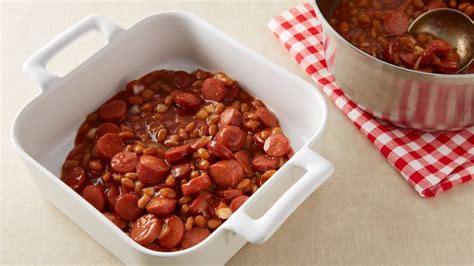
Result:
430,162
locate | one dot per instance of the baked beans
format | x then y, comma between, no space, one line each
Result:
380,28
173,155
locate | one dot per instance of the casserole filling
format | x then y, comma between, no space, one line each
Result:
380,28
173,155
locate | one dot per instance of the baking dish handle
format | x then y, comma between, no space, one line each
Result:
257,231
35,66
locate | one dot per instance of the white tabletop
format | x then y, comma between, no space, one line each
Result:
365,214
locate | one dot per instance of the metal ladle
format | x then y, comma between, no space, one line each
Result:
451,25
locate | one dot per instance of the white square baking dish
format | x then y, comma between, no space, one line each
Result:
43,131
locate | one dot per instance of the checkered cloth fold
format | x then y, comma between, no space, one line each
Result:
430,162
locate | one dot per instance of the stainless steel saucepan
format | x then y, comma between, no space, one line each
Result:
404,97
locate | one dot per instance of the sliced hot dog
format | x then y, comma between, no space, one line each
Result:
108,145
178,153
213,89
276,145
75,178
176,234
237,202
78,150
448,64
194,236
396,22
107,128
213,204
232,91
151,169
181,170
113,111
226,173
95,196
124,161
196,184
161,206
187,100
200,203
180,79
154,76
127,208
232,137
436,47
243,158
114,218
112,195
230,116
219,150
408,59
266,116
229,194
264,163
146,229
154,246
199,143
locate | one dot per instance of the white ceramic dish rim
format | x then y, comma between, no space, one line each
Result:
47,82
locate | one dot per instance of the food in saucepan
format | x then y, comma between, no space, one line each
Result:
380,28
173,155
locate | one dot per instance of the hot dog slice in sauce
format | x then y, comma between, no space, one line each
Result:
114,218
113,193
108,145
213,89
243,158
276,145
194,236
178,153
230,116
181,170
113,111
187,100
267,117
145,229
237,202
161,206
127,208
264,163
226,173
107,128
396,22
124,161
219,150
94,196
232,137
151,169
75,178
176,233
196,184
